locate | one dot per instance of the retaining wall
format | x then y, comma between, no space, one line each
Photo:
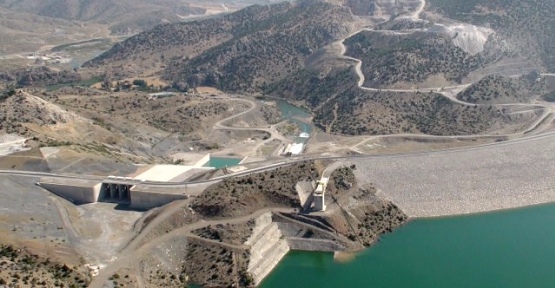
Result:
76,194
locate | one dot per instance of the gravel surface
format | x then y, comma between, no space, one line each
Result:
466,180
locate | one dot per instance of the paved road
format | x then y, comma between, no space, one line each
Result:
289,161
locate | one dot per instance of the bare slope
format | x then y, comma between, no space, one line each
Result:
146,13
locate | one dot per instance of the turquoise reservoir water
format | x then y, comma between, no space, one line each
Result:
513,248
295,114
220,162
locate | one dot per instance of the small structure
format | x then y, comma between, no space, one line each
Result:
319,195
159,95
297,147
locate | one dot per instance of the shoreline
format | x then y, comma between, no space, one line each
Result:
484,212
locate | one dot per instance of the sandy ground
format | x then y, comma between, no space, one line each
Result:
468,180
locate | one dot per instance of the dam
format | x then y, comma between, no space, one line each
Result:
131,191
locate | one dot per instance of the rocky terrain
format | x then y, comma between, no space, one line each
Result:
244,195
355,218
390,59
147,13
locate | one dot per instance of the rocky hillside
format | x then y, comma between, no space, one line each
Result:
499,90
527,24
392,58
234,197
239,51
20,268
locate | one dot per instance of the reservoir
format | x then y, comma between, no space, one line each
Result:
510,248
221,162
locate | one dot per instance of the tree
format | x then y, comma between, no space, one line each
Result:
139,82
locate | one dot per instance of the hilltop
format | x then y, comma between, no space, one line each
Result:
500,90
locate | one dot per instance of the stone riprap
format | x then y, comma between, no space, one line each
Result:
466,180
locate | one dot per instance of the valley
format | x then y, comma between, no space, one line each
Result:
201,149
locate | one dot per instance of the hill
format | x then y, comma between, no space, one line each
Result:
526,24
501,90
238,52
391,58
339,106
141,14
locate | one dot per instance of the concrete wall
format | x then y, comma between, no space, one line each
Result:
144,200
203,161
268,246
319,204
75,194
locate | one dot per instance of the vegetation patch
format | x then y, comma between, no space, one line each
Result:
239,196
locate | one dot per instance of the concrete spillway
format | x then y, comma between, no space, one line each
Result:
268,246
114,192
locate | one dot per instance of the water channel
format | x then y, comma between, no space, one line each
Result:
295,114
511,248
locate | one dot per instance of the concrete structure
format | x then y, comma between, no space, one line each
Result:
128,190
203,161
145,197
75,190
319,195
268,246
154,96
305,191
297,147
